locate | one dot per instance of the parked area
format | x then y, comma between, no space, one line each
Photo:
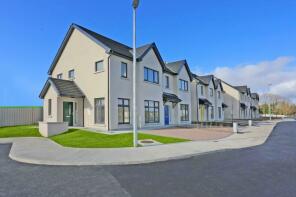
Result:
194,133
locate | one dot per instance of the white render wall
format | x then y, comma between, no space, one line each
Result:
80,54
232,100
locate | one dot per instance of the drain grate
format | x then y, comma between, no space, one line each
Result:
147,141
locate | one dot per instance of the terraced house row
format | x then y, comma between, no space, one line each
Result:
90,85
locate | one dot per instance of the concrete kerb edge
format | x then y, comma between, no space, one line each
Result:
55,163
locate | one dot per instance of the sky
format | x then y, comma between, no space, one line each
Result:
243,42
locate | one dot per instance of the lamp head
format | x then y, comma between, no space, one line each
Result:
136,3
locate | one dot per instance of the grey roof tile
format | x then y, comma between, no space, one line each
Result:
65,88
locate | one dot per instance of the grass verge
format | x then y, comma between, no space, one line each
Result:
85,139
19,131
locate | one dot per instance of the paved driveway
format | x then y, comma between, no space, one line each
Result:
264,171
194,133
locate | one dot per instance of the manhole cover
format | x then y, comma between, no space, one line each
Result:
147,141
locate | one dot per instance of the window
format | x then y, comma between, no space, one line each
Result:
123,70
49,107
211,92
212,112
151,75
60,76
99,66
71,74
151,111
123,111
183,85
184,112
220,112
201,90
167,82
99,111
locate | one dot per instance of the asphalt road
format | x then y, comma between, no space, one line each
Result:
266,170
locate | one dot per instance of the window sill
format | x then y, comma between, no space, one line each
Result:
152,123
129,124
97,72
152,83
185,91
124,78
99,125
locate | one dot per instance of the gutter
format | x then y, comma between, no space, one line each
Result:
108,104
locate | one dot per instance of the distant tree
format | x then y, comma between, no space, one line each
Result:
278,104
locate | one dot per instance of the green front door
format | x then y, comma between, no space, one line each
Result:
68,112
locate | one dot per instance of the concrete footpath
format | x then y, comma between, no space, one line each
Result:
44,151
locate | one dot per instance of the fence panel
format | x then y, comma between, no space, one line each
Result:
20,116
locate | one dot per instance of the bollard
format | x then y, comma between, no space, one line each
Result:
235,127
250,123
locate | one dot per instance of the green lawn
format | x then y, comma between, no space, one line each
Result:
19,131
86,139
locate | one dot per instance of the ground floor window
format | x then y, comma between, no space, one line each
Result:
99,110
123,111
49,107
212,112
220,112
151,111
184,112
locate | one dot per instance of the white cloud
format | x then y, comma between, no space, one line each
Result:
281,73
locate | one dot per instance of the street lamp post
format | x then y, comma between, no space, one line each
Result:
269,103
135,135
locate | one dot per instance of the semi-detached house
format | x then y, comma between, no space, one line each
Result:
207,99
90,84
242,104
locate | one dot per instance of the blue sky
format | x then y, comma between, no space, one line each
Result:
210,34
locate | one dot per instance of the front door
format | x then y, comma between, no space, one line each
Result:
166,115
68,112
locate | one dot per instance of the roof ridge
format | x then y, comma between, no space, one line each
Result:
110,39
183,60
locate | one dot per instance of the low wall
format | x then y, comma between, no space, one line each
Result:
47,129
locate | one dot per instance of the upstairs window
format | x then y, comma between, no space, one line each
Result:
167,82
71,74
60,76
99,66
201,90
219,94
151,75
123,70
211,92
183,85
